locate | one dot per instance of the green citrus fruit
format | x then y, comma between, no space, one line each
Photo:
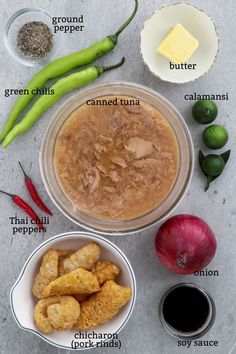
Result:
215,136
205,111
213,165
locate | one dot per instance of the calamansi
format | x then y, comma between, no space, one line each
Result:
213,165
205,111
215,136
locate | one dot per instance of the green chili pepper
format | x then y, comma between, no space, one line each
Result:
62,66
61,87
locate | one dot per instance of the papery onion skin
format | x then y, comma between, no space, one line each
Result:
185,244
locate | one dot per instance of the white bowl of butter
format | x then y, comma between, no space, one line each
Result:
179,43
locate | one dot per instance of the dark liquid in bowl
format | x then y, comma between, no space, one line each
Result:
186,309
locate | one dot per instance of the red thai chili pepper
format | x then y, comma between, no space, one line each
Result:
24,206
33,192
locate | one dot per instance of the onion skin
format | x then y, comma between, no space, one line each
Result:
185,244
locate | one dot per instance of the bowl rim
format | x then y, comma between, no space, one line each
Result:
170,210
26,62
213,61
61,237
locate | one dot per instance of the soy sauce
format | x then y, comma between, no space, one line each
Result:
186,309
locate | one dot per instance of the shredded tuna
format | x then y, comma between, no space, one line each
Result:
105,139
157,147
145,163
102,169
100,148
138,178
109,189
116,123
167,155
119,161
92,179
139,147
116,162
114,176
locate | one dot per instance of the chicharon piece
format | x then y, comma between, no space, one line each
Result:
85,258
80,281
64,314
105,271
62,257
56,313
103,306
47,273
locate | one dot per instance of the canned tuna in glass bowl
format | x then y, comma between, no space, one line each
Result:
117,158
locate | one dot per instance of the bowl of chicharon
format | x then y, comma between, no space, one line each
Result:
75,291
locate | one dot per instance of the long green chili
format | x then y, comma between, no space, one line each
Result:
61,87
62,66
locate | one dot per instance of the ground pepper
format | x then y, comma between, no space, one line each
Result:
35,40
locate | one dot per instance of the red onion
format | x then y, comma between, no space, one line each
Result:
185,244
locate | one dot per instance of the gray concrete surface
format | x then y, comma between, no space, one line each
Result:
143,333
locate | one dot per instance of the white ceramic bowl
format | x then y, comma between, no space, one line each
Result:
198,23
23,302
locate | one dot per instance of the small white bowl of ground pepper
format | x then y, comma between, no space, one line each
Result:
29,37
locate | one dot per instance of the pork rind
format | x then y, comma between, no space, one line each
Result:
48,272
63,315
56,313
103,306
63,255
80,281
85,258
105,271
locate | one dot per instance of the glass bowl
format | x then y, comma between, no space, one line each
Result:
183,179
202,330
16,22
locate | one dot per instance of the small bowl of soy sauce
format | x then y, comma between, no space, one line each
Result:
187,311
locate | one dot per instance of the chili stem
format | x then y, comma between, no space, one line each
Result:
126,24
22,169
8,194
111,67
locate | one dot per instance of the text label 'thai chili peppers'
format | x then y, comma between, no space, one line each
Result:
33,192
24,206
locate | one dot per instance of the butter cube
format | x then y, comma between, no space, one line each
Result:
179,45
